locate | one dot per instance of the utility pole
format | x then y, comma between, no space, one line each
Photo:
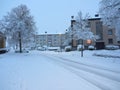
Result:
46,41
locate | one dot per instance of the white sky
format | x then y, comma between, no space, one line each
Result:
52,16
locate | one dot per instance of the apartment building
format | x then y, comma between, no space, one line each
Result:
2,40
106,35
50,40
2,43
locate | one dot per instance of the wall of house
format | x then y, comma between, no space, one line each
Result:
99,29
2,41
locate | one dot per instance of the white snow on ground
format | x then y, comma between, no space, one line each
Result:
48,70
89,58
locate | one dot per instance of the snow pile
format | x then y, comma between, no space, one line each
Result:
111,47
108,53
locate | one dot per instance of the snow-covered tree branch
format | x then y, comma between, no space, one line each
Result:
19,20
110,14
81,29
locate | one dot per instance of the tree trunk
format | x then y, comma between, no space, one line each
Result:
20,43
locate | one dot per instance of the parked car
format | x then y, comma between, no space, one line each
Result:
40,48
68,48
4,50
54,48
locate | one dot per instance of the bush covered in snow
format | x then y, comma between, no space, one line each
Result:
4,50
91,47
40,48
68,48
80,47
111,47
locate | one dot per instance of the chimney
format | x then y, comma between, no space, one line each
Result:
96,15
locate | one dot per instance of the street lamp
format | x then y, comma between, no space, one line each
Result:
73,41
72,21
46,38
66,34
60,41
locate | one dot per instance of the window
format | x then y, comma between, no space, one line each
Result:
110,41
110,32
88,25
99,30
119,42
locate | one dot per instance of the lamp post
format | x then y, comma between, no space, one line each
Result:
46,38
72,21
60,41
66,34
73,42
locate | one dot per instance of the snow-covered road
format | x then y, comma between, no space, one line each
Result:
103,78
44,71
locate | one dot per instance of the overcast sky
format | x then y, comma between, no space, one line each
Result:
52,16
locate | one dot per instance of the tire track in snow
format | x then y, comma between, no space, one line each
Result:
110,74
98,67
82,71
102,72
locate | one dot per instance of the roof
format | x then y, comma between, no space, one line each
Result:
94,19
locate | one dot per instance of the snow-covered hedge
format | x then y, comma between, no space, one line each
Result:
91,47
111,47
68,48
80,47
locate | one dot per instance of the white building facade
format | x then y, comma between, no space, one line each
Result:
50,40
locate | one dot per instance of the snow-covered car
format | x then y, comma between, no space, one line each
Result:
68,48
40,48
54,48
4,50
